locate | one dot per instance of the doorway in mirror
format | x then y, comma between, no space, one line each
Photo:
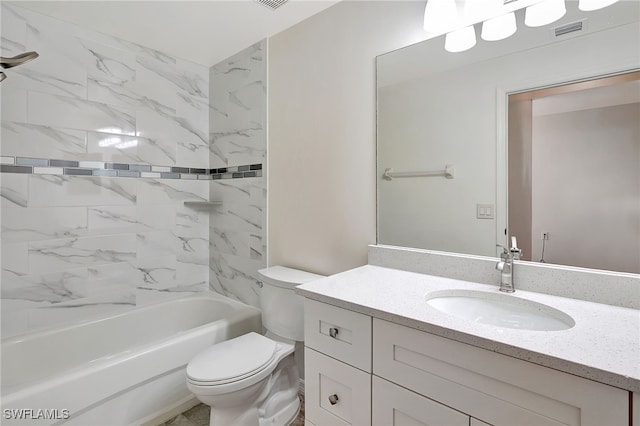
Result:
574,173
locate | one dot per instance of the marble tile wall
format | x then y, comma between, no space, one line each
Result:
74,246
238,136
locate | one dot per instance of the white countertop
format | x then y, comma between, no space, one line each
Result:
604,344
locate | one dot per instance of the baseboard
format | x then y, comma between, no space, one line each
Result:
172,411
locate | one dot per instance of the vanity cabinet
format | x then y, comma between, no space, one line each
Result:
406,376
395,405
337,360
494,388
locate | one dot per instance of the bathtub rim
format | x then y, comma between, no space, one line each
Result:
98,317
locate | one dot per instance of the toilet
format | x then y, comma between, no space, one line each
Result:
253,379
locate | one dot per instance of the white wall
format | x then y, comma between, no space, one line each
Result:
595,225
450,118
322,132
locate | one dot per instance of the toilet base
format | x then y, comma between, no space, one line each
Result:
272,402
284,417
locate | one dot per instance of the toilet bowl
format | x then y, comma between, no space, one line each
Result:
253,379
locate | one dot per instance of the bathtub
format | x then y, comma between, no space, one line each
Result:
118,370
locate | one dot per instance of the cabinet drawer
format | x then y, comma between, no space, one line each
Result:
339,333
393,405
494,388
335,393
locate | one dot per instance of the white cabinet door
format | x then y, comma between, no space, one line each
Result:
396,406
335,393
495,388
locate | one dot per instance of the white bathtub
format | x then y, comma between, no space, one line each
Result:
118,370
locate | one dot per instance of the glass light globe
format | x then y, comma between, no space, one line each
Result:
460,40
544,13
499,28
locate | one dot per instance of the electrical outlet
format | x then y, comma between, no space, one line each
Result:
544,236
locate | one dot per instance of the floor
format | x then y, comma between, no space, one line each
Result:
199,416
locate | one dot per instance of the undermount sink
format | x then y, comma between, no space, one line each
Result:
499,310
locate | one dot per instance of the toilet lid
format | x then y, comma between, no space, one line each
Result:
236,358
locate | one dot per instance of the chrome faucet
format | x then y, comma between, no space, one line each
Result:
505,265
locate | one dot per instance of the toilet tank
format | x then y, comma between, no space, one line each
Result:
282,309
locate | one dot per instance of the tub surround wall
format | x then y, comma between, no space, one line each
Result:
74,245
44,166
238,120
611,288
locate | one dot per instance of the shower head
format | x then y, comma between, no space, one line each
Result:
17,60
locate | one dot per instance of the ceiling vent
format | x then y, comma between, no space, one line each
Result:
568,28
272,4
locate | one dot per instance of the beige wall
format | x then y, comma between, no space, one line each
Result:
519,174
322,132
586,187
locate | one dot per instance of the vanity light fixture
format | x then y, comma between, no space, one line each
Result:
589,5
460,40
497,17
543,13
499,28
440,15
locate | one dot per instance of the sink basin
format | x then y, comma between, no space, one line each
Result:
499,310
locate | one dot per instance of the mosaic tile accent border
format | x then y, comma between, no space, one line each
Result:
95,168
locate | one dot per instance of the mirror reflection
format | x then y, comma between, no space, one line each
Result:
573,165
565,179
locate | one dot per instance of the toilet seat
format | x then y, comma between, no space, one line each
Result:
232,360
235,364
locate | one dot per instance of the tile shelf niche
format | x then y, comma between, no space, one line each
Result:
202,204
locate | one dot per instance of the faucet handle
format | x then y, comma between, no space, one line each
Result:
505,252
515,251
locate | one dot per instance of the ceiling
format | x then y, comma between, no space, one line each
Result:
599,97
205,32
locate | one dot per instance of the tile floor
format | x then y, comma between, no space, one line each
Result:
199,416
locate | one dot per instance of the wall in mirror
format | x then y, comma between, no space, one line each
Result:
437,108
578,149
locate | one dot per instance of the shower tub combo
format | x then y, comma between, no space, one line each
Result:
123,369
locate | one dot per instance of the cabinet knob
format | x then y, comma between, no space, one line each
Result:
333,399
333,332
